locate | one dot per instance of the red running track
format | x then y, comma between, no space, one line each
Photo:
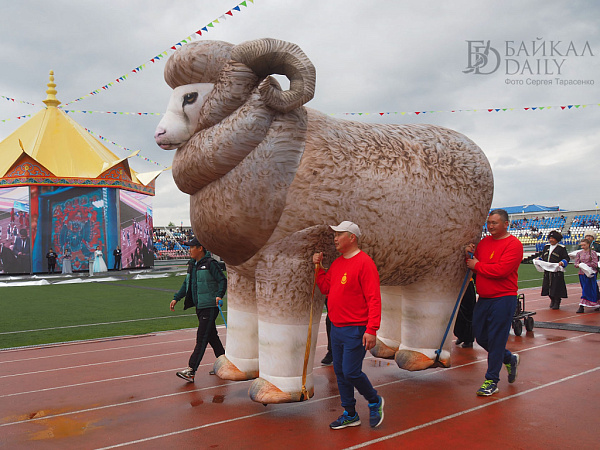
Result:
124,393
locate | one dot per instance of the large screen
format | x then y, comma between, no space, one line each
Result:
136,230
15,240
75,218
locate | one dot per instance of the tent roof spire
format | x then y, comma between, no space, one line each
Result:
51,100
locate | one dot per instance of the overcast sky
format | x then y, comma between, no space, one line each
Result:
372,56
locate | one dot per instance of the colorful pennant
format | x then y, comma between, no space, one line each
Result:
105,139
16,118
113,112
10,99
165,53
490,110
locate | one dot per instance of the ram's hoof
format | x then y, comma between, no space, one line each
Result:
264,392
383,351
411,360
226,370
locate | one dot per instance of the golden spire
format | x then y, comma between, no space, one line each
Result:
51,100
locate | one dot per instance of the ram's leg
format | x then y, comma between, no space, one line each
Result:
389,335
426,311
284,280
240,361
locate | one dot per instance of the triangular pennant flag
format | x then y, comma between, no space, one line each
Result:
229,12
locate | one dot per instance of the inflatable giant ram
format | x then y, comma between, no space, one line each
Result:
266,175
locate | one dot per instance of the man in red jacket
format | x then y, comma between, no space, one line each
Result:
354,307
496,262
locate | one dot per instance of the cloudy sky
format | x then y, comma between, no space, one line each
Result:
378,56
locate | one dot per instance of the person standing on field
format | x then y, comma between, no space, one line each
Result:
354,308
496,263
204,287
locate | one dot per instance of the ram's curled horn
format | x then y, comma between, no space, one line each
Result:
197,62
271,56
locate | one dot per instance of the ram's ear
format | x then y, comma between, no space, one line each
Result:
271,56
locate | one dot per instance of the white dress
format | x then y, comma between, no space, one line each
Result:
66,263
99,264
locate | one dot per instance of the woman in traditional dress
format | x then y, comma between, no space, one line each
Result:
99,264
66,262
554,282
589,259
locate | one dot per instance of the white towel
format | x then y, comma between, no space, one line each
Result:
587,270
542,266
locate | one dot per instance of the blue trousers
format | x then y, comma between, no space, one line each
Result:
348,354
492,318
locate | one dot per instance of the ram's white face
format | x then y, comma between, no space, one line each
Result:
180,121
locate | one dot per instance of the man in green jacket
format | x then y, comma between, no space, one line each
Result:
204,287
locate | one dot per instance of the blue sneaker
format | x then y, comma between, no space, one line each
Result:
512,368
376,413
488,388
345,420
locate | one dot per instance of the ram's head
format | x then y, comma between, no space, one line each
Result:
213,79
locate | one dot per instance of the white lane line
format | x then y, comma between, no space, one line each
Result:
467,411
158,397
113,379
95,364
223,334
364,444
37,391
95,324
37,358
131,402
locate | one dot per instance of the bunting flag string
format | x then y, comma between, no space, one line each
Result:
16,118
105,139
403,113
114,112
14,100
192,37
489,110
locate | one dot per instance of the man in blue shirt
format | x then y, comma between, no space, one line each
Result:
204,287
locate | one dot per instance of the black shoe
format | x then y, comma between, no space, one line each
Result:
327,360
458,342
580,310
467,345
187,374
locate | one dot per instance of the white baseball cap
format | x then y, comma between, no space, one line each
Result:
346,225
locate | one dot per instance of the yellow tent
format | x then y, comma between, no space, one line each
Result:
53,149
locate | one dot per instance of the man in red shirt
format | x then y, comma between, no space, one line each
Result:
496,261
354,307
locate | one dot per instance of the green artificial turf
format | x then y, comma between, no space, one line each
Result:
70,312
33,315
529,277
